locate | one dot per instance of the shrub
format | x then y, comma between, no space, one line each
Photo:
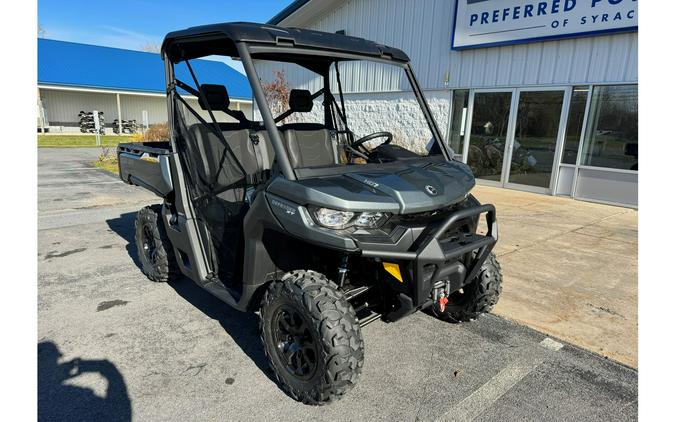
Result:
107,154
157,132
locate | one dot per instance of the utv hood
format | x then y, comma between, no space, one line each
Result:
404,189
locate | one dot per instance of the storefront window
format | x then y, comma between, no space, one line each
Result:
611,139
536,136
489,128
460,107
575,122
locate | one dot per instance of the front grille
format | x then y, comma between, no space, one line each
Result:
427,216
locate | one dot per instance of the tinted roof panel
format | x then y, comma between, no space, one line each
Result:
219,38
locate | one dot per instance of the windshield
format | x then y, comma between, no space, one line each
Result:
336,113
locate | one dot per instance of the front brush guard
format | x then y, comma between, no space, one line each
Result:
441,252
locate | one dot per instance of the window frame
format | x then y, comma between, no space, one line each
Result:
584,128
587,119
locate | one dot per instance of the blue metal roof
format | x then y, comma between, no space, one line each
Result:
92,66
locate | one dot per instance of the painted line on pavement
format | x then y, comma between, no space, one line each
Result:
486,395
551,344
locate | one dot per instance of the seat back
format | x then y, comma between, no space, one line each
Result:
215,169
264,149
309,145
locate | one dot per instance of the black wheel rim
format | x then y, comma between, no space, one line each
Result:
294,343
458,300
149,246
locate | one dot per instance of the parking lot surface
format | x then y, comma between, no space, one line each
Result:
113,346
571,269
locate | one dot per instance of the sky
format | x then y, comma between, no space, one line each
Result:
132,24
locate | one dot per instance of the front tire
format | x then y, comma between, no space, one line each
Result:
153,246
477,297
311,337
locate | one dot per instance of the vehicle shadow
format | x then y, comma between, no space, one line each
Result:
241,326
124,226
57,400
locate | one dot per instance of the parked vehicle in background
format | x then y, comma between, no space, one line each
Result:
128,126
87,123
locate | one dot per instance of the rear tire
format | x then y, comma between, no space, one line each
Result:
153,247
311,337
477,297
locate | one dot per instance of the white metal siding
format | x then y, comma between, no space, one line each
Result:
63,106
133,105
423,29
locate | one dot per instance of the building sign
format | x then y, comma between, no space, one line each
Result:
483,23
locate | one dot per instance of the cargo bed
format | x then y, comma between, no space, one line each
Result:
146,164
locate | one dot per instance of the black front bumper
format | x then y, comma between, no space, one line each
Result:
441,252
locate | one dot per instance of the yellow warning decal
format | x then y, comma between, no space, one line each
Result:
394,270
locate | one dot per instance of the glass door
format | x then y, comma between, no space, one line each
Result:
532,148
487,139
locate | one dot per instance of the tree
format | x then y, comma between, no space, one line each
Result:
277,93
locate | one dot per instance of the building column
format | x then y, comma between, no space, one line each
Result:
119,114
41,111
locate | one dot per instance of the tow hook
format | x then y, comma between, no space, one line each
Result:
442,301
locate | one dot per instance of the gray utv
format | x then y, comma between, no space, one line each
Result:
328,211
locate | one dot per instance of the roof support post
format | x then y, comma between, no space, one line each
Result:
41,111
266,113
119,114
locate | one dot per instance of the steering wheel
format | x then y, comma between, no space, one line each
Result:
359,142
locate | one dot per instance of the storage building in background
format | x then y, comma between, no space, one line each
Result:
129,84
534,95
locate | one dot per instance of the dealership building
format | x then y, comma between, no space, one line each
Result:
75,77
538,96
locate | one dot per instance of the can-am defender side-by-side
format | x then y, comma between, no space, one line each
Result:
327,214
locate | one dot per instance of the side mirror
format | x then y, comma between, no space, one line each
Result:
300,101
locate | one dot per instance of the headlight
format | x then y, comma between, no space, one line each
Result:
334,219
370,219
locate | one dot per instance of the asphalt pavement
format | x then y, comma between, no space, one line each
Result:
113,345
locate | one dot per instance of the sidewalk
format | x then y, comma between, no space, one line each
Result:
570,269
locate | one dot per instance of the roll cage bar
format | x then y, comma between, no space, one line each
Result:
182,46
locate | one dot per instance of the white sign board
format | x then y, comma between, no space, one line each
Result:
97,127
484,23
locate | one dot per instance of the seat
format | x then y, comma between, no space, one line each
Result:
216,169
307,144
264,149
311,147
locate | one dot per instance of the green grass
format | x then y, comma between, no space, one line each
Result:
79,141
107,165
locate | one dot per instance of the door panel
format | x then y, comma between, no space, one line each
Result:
535,138
488,136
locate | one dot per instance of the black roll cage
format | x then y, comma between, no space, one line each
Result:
264,51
